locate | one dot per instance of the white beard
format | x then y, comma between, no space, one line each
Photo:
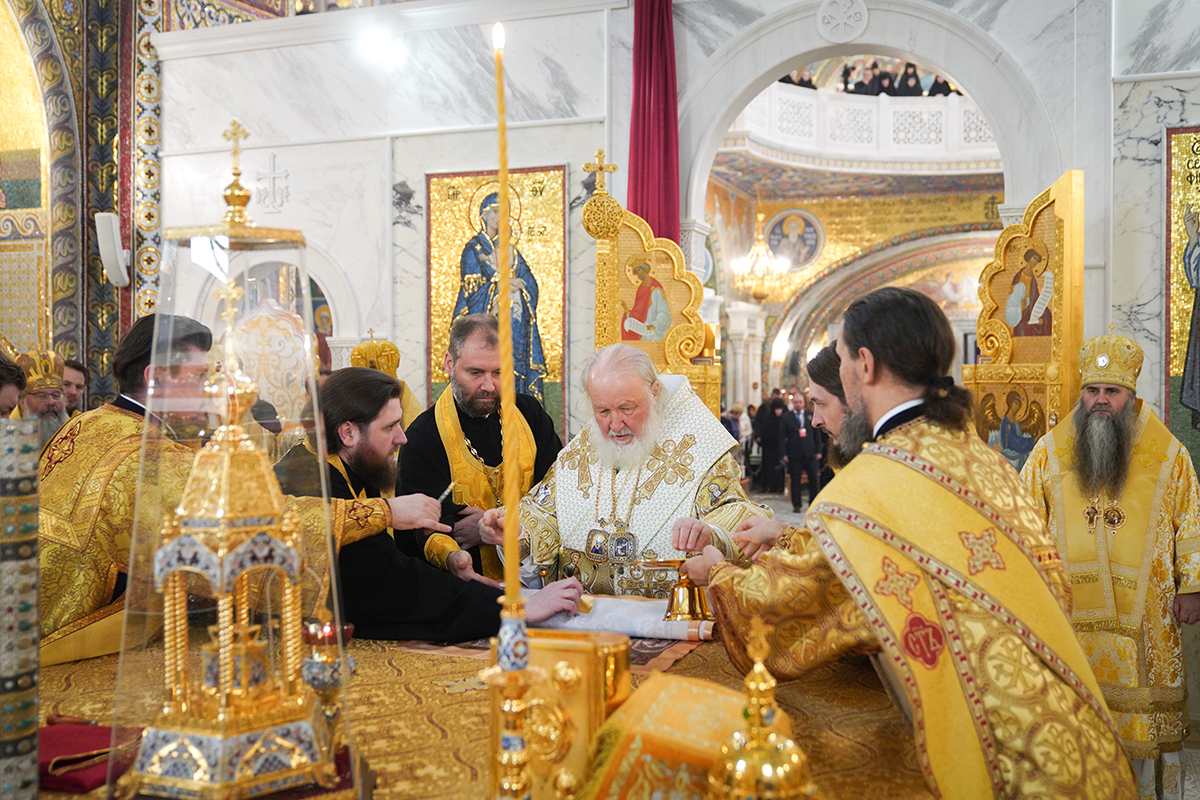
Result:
634,454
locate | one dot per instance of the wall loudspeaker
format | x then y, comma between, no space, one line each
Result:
112,256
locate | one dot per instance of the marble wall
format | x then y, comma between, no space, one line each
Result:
357,105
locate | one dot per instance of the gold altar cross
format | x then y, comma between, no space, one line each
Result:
599,167
230,293
235,134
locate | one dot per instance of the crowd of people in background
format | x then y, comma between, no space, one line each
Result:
874,80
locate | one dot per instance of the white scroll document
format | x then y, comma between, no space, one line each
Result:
640,617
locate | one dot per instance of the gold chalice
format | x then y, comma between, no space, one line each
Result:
688,601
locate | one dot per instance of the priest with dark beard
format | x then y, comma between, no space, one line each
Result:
1119,494
386,593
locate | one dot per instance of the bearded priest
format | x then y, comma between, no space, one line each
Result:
652,477
927,549
1120,496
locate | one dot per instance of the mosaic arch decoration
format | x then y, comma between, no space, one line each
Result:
42,36
866,271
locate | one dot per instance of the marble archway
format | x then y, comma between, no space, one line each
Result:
63,198
817,306
790,38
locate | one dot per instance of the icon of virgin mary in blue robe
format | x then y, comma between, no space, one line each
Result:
477,294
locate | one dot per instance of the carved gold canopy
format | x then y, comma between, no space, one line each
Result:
1031,325
636,274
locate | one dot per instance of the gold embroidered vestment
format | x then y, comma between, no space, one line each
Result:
1124,579
926,548
88,484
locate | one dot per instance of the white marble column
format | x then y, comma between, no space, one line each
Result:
746,326
692,234
1011,213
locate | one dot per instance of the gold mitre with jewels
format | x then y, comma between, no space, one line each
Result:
1110,359
43,370
381,355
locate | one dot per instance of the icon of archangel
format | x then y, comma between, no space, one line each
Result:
479,288
1015,429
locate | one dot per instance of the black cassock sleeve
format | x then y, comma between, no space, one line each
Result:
389,595
425,469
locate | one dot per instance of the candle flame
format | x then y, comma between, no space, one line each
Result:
498,36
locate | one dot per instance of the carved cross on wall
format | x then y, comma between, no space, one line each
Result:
599,167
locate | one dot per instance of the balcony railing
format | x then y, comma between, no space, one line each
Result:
864,132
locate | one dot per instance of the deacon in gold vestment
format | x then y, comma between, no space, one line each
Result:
89,477
1120,496
926,549
652,477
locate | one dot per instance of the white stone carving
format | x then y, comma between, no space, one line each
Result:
918,127
975,127
797,119
852,125
842,20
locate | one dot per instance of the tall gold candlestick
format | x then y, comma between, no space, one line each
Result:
508,391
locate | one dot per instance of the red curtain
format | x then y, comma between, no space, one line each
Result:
654,131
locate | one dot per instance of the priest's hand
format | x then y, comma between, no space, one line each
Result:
698,567
1187,608
554,598
690,535
466,530
417,511
459,565
757,535
491,526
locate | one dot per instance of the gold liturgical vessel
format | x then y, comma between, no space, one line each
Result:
759,763
251,703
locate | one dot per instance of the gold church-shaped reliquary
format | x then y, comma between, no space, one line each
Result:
232,672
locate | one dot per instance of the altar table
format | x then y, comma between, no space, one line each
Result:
421,720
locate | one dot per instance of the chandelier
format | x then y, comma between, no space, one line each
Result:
759,271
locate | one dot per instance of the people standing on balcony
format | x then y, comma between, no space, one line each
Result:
909,84
806,81
941,87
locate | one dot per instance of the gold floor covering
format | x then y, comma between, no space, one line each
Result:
421,720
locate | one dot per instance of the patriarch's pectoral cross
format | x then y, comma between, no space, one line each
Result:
1091,514
235,134
599,167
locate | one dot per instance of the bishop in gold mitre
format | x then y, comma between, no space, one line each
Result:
43,395
1119,494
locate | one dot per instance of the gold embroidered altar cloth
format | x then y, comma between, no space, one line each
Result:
421,720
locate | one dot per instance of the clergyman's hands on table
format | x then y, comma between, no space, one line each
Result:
417,511
1187,608
466,530
689,535
460,566
491,526
554,598
698,567
757,535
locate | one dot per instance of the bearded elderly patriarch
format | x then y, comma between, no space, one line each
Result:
1119,493
926,550
652,476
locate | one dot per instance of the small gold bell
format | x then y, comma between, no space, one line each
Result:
760,763
688,601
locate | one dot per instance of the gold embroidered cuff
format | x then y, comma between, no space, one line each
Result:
438,548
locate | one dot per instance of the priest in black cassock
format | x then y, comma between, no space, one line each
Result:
458,440
386,593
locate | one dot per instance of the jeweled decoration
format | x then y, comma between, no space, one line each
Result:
19,635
